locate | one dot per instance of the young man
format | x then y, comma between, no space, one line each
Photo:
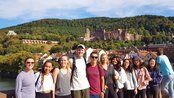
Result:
167,72
95,75
79,82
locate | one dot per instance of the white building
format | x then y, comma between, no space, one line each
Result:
11,33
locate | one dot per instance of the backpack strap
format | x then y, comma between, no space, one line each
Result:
99,70
37,79
73,68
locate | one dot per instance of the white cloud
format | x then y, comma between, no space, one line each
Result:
36,9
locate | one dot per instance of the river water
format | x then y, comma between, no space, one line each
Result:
7,84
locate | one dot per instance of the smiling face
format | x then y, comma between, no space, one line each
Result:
152,63
137,63
64,61
126,64
94,58
29,64
104,59
115,61
47,67
80,52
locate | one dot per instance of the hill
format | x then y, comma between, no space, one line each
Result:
150,23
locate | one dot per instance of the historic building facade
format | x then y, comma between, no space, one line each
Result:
119,34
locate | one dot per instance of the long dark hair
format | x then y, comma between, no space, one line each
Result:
130,67
117,67
140,66
156,67
43,72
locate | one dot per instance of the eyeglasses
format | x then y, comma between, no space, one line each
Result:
30,62
94,57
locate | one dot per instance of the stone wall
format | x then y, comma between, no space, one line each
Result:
7,94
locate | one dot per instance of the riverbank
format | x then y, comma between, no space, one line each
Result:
7,87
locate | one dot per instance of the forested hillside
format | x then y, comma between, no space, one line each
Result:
154,29
146,25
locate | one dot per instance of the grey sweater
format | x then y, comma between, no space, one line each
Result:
25,85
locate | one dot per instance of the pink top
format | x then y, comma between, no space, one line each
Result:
143,77
94,79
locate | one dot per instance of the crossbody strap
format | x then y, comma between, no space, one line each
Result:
37,80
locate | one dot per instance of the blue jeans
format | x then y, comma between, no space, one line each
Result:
167,85
94,96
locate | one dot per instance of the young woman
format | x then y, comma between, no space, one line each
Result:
142,76
120,73
131,82
62,78
153,89
44,82
25,81
109,76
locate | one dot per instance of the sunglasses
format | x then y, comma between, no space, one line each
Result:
94,57
30,62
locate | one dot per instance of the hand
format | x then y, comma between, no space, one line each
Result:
117,77
116,90
135,91
102,95
106,87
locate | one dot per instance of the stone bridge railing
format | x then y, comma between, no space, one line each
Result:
7,94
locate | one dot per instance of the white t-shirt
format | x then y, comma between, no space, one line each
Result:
122,78
47,83
79,80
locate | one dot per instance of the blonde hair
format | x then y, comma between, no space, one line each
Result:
68,64
102,55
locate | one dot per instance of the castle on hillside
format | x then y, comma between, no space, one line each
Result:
119,34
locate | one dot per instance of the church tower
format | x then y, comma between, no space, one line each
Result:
87,35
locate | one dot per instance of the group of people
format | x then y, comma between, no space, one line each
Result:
107,77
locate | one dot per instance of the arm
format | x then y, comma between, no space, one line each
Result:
135,79
18,87
158,60
55,74
102,86
147,77
71,63
135,82
102,81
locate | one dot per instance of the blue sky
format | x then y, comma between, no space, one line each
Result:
14,12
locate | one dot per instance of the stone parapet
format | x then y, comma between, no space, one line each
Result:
7,94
